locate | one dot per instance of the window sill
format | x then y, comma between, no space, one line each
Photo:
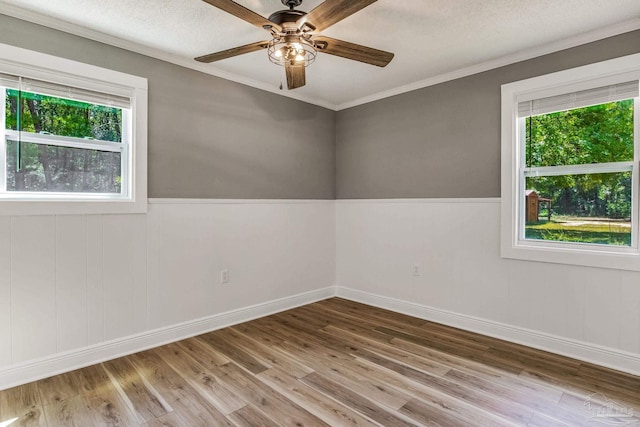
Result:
622,258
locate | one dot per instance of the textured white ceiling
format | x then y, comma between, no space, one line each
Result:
429,37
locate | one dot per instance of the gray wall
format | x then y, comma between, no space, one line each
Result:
209,137
212,138
443,140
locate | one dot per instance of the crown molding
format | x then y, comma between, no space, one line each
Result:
78,30
584,38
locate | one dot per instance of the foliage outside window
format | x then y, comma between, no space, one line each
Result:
73,137
54,144
579,163
570,151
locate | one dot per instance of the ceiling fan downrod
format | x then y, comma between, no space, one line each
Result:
291,4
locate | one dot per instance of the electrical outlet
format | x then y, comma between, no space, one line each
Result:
417,270
224,276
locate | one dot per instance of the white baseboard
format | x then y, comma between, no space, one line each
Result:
79,358
592,353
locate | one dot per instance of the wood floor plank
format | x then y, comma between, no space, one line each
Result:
338,368
611,376
541,420
168,420
509,392
328,410
459,409
169,383
190,406
266,399
261,335
360,328
450,346
206,355
354,400
334,362
250,416
269,325
345,305
479,358
583,387
430,416
529,361
59,387
23,403
547,406
272,356
107,408
142,398
299,318
104,405
426,330
494,373
369,386
222,341
388,350
203,380
514,412
69,412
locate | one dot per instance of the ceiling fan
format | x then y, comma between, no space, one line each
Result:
295,42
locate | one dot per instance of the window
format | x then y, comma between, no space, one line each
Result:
570,166
73,136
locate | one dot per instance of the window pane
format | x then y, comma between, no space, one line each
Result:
597,134
32,112
50,168
588,208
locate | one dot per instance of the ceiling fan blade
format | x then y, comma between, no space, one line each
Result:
243,13
295,76
332,11
353,51
224,54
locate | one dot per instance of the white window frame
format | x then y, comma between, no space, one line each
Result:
513,244
39,66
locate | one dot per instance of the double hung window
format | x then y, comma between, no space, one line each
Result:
570,166
62,141
72,137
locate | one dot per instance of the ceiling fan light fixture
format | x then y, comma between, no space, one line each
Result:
286,51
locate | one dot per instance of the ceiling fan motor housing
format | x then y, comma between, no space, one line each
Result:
283,16
291,4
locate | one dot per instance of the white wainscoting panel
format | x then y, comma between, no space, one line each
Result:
79,289
630,315
456,244
271,250
122,236
95,293
33,287
5,291
71,281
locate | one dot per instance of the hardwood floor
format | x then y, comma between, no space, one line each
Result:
335,363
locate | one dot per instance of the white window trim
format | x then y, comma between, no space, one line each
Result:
581,78
36,65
